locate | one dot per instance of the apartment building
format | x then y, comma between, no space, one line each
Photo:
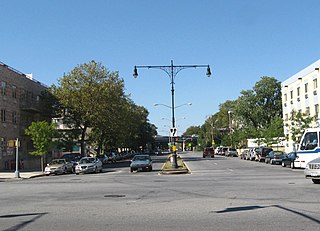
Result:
20,105
300,93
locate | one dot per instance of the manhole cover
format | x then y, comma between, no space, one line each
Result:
114,195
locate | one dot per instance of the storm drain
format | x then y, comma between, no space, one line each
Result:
114,196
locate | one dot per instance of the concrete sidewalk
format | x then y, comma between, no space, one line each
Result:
23,175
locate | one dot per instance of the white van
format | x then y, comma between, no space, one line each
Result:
309,148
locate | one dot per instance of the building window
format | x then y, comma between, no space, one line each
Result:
285,97
3,144
306,88
3,115
3,88
315,84
14,92
298,91
316,109
14,117
291,94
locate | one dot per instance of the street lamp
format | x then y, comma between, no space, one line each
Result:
230,126
157,104
172,71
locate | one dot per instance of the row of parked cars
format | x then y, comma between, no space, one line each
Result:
75,163
269,156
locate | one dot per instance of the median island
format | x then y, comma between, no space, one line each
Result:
168,169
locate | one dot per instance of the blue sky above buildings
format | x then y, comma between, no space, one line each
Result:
241,40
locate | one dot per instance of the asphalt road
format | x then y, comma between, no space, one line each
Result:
220,194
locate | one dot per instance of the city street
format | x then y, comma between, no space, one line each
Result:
220,194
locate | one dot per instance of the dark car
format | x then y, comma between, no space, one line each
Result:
262,153
274,157
288,160
208,151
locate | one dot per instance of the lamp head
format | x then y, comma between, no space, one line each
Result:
135,72
208,71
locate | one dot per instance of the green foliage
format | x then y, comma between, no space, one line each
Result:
298,123
257,113
42,134
193,130
95,105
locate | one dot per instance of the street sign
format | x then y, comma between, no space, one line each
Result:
11,143
173,132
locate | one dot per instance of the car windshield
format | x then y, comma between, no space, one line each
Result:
141,158
87,160
232,149
60,161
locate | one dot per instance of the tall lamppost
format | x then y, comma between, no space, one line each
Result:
230,127
172,71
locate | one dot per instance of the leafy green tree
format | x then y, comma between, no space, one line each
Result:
193,130
42,134
297,123
86,92
273,134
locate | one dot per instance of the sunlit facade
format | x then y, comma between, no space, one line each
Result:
300,93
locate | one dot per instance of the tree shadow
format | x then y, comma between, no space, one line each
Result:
247,208
21,225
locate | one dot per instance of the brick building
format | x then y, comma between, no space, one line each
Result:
20,104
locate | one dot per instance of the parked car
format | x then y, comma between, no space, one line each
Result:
274,157
288,160
141,163
244,153
231,152
58,166
223,151
252,154
208,151
88,164
262,153
312,171
72,157
218,150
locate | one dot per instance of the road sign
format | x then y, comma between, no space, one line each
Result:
11,143
173,132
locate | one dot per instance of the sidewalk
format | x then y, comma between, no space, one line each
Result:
23,175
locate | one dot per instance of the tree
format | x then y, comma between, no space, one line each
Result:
298,122
193,130
89,94
42,134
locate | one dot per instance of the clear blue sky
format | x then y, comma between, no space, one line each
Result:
242,40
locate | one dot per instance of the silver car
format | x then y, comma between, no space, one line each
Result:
141,163
312,171
58,166
88,164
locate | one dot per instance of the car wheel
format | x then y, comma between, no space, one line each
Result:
131,170
316,181
203,156
150,169
292,165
